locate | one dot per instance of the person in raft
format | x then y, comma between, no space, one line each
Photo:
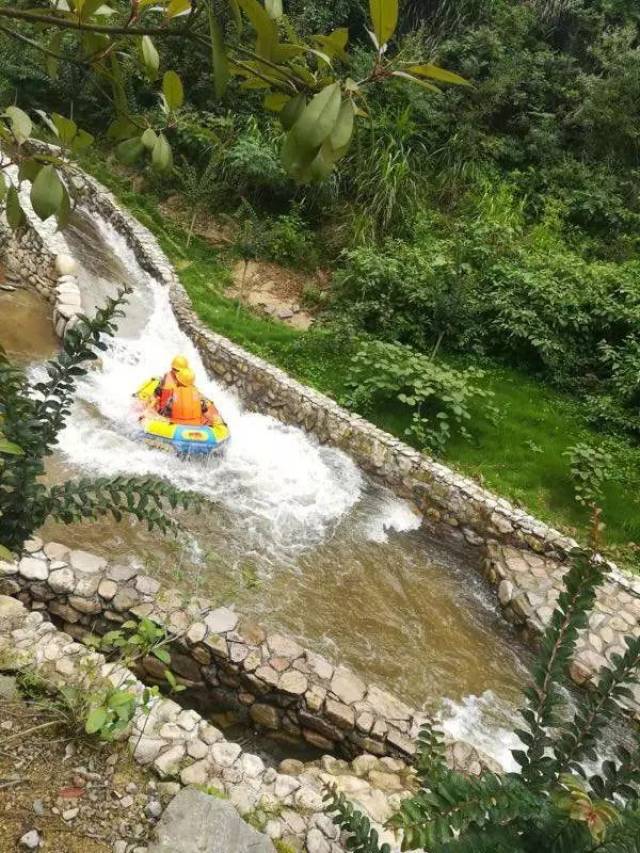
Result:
178,399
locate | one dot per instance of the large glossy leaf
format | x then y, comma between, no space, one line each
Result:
21,125
149,139
14,212
64,211
150,57
319,117
66,128
219,61
292,110
384,16
425,85
172,90
162,156
275,101
47,192
343,130
265,27
81,140
335,43
96,720
28,170
437,73
10,447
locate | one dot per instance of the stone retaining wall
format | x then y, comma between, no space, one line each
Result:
226,660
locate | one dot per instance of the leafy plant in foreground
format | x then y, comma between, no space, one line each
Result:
33,416
555,804
590,468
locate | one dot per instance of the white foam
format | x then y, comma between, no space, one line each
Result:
484,721
285,487
394,515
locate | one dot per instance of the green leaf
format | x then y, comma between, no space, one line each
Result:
64,211
14,212
5,553
10,447
236,14
219,61
95,720
437,73
28,170
172,90
161,156
129,151
47,192
335,43
429,86
265,27
81,141
319,117
3,186
21,125
121,128
384,16
149,139
343,130
163,655
274,8
292,110
275,101
66,128
150,57
177,7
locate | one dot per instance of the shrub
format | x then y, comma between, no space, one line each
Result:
590,467
288,241
437,396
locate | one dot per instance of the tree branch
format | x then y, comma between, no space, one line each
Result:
68,24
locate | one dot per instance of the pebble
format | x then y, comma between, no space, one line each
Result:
30,840
153,809
38,807
69,814
131,788
126,802
120,846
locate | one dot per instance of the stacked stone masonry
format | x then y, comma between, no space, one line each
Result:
224,659
179,744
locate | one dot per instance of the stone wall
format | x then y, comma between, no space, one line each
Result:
225,660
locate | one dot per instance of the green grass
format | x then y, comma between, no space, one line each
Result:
520,457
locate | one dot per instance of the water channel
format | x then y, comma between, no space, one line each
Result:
292,532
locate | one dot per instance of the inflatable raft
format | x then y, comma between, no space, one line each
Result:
180,438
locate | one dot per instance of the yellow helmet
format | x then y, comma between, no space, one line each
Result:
186,376
179,362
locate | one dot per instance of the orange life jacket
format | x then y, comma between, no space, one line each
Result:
165,389
185,405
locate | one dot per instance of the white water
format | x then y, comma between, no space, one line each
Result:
278,492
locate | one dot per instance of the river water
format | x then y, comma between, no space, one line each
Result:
292,532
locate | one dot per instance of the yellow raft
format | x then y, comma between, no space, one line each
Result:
181,438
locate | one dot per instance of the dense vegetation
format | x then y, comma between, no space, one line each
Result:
491,228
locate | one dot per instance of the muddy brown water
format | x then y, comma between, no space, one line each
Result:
400,608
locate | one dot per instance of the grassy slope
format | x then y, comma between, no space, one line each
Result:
501,455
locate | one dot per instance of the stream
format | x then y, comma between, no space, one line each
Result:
293,533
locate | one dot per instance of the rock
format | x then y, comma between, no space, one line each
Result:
347,686
32,545
194,821
388,706
146,585
153,809
251,765
225,753
65,265
285,647
147,749
121,574
62,580
265,715
342,715
293,682
38,808
107,589
33,569
196,773
197,748
505,592
196,633
285,785
221,620
168,762
291,767
316,842
30,840
8,688
321,666
83,561
209,734
125,599
120,846
70,814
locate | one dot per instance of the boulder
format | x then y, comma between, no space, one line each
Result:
194,822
